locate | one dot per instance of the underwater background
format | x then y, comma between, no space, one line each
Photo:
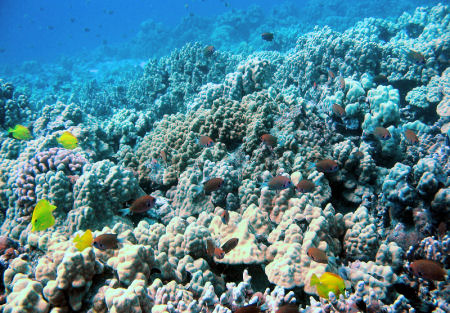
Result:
224,156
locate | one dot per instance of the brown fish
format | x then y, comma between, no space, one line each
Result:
279,183
338,110
416,57
331,75
106,241
213,251
6,243
269,140
327,166
163,155
143,204
225,216
252,308
382,133
287,308
230,245
428,269
305,186
213,184
208,51
317,255
411,137
380,79
205,141
341,82
267,36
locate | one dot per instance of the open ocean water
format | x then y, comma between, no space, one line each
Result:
224,156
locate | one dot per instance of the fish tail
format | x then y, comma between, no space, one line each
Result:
10,130
121,240
124,212
314,280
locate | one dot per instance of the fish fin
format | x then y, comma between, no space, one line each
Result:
314,280
125,212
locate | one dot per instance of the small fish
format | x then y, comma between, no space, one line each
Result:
382,133
428,269
205,141
416,57
225,216
327,166
315,85
42,217
68,141
106,241
317,255
305,186
213,184
163,155
230,245
267,36
280,182
331,75
341,82
209,51
251,308
328,282
214,251
380,79
20,132
87,29
411,137
6,243
338,110
140,205
358,154
287,308
84,241
269,140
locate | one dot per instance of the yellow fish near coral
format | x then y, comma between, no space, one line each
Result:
68,140
20,132
84,241
328,282
42,217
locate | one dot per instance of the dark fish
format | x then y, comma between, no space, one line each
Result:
87,29
269,140
305,186
252,308
72,20
51,27
205,141
208,51
213,184
331,75
416,57
267,36
358,154
213,251
225,216
338,110
279,183
143,204
317,255
380,79
287,308
106,241
442,230
382,133
341,82
428,269
327,166
411,137
6,243
230,245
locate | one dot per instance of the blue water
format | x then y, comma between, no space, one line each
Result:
46,30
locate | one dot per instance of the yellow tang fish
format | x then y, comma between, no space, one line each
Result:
68,141
42,217
84,241
328,282
20,132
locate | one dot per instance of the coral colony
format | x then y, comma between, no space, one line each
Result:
313,180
